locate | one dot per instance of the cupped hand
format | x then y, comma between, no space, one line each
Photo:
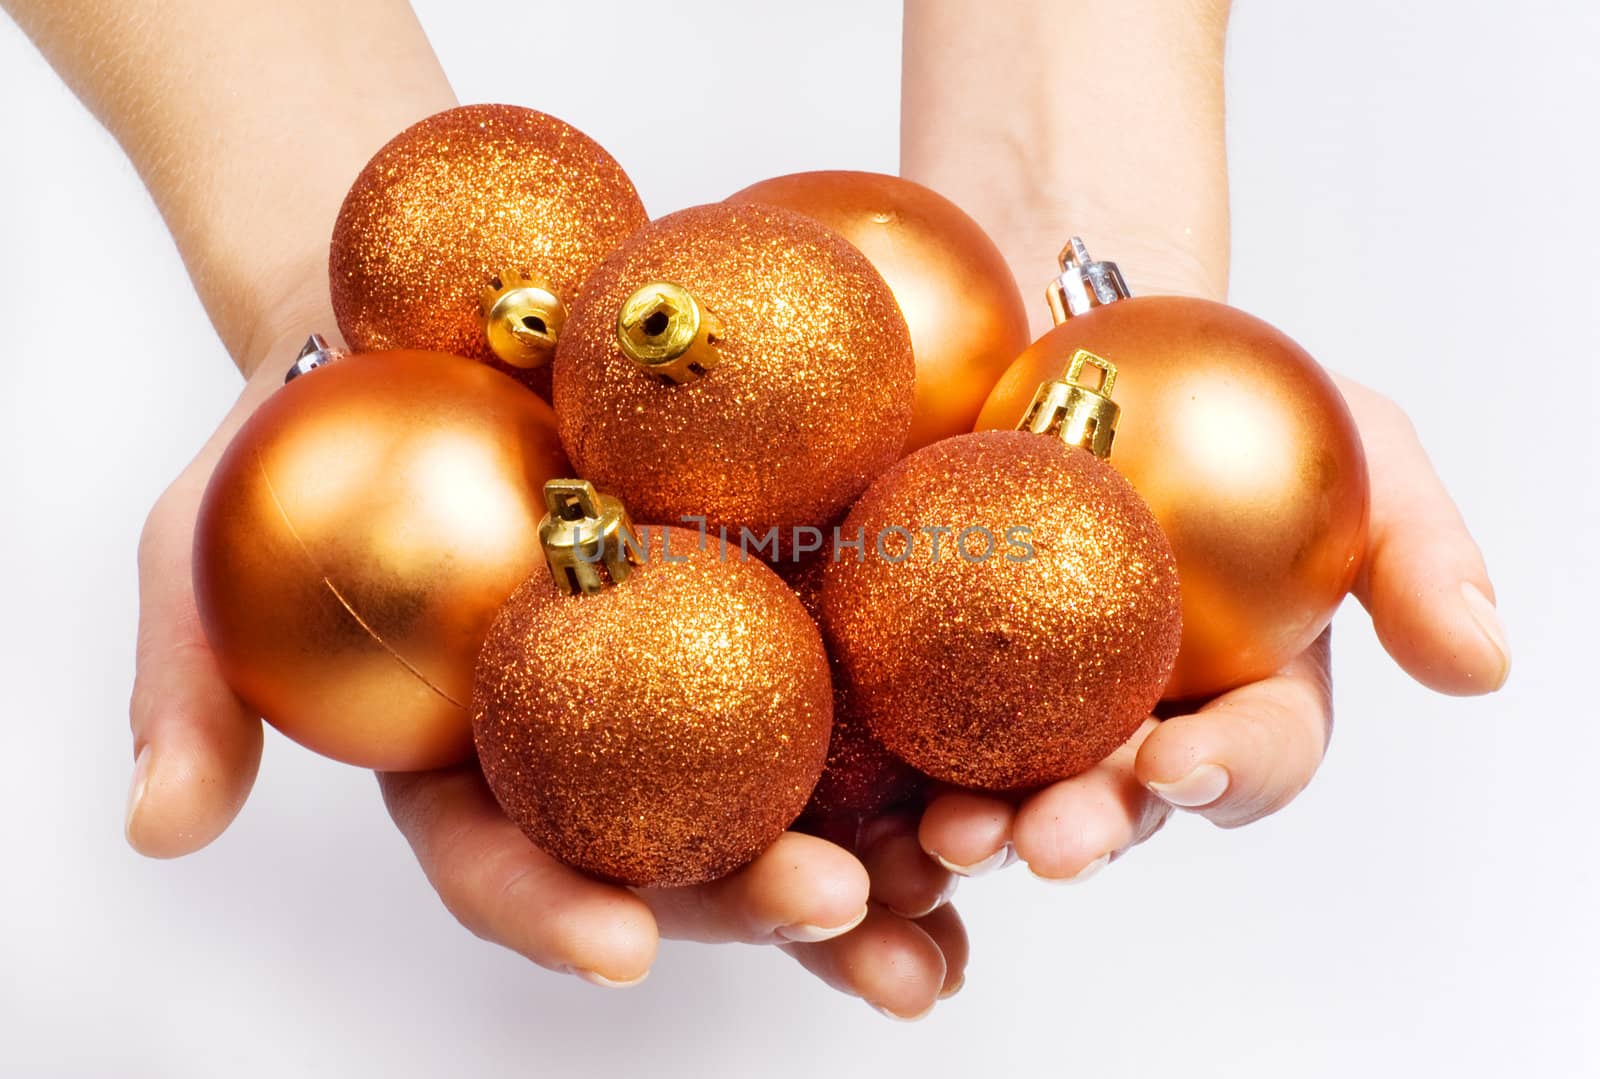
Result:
197,748
1248,752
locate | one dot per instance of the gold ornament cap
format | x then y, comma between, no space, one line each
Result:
1083,283
313,354
1073,410
522,318
589,542
669,333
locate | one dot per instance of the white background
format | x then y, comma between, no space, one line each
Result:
1414,194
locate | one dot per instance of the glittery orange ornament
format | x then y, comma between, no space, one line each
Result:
355,541
1242,447
1015,613
967,319
861,776
649,712
740,362
470,233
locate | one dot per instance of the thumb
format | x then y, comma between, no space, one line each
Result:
196,745
1423,580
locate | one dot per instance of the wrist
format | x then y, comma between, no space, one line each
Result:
273,316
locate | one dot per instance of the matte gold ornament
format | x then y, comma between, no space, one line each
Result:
649,711
356,539
1244,450
961,303
737,362
470,233
1014,615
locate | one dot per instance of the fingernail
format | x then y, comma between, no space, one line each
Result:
947,893
961,984
976,869
904,1018
811,934
141,774
1080,876
1200,787
609,983
1483,612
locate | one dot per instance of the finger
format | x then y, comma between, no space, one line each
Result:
950,934
1423,579
967,833
196,747
1249,752
799,889
887,961
904,878
506,890
1070,830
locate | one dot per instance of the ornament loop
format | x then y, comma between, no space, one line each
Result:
664,329
589,542
1083,283
1074,411
313,354
522,318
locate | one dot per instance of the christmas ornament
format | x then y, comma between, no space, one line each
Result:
1014,614
1242,447
650,712
861,777
737,362
966,317
355,541
470,233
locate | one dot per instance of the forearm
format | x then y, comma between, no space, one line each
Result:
1077,116
247,122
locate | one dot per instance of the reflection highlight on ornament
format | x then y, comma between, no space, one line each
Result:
355,541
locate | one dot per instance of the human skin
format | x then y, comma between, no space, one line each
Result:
1124,145
997,114
249,175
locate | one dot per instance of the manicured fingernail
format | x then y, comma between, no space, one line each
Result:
1201,787
904,1018
976,869
1080,876
811,934
609,983
141,775
1483,612
946,994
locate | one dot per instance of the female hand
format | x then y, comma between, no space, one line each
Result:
1106,121
197,748
1248,752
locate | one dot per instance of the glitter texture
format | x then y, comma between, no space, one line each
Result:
967,319
861,777
1001,673
457,198
1246,453
812,398
661,732
357,538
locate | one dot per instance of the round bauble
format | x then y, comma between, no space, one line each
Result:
1245,451
861,777
967,319
662,730
470,233
738,362
1037,634
355,541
